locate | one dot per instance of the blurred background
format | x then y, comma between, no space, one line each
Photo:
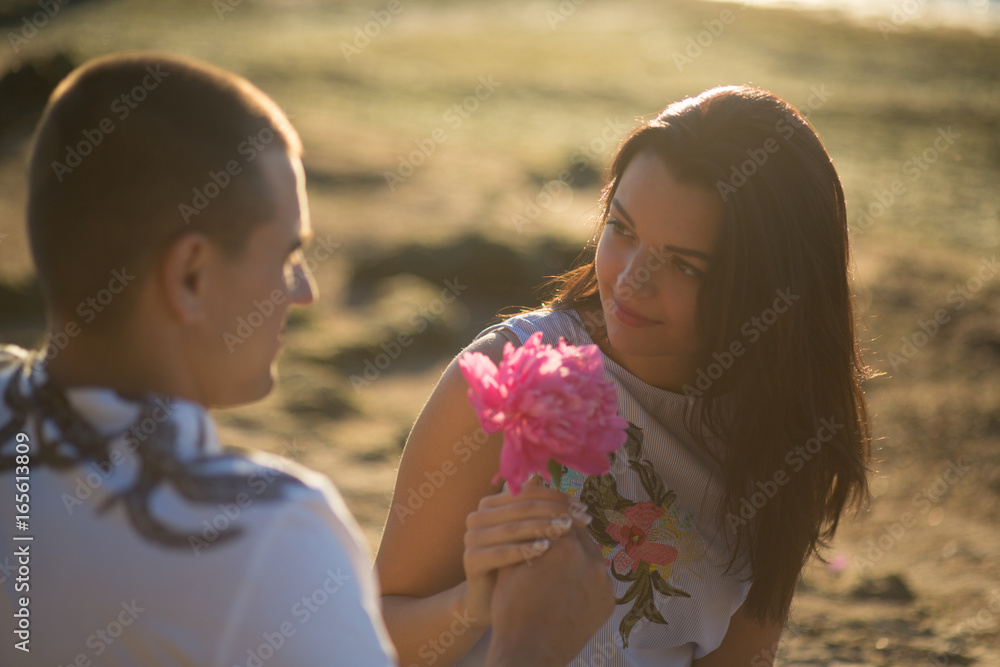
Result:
454,153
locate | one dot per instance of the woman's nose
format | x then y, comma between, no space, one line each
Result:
637,274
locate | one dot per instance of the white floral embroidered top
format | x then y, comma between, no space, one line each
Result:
655,522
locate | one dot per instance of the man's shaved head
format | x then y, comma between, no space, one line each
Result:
132,152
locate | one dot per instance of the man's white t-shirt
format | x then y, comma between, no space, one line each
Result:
294,588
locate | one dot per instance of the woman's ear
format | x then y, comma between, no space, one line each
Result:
188,268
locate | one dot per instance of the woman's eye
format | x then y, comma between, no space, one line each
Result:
618,227
687,269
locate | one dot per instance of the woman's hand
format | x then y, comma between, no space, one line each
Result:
507,530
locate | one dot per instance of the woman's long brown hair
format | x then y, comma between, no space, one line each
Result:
789,410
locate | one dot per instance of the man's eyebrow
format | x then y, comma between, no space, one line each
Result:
690,252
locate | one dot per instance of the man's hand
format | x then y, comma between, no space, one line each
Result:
546,609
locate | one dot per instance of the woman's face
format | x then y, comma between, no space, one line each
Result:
654,251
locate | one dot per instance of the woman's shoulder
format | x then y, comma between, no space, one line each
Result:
553,323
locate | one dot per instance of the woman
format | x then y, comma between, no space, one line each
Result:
717,288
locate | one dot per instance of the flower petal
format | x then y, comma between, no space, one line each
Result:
655,554
553,403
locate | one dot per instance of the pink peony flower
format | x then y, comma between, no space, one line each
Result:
552,403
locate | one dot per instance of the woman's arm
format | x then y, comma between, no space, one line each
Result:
447,533
747,642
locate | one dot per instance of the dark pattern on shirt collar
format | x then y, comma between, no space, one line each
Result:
29,395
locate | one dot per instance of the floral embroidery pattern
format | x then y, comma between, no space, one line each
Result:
642,542
634,530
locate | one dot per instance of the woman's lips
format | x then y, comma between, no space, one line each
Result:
631,318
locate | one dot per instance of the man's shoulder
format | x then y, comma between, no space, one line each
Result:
11,358
264,470
302,488
11,354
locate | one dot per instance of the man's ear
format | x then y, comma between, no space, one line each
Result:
188,268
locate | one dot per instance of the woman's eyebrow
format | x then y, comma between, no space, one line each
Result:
621,209
690,252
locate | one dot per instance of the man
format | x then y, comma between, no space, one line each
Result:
167,198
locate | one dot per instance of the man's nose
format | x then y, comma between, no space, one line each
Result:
304,290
